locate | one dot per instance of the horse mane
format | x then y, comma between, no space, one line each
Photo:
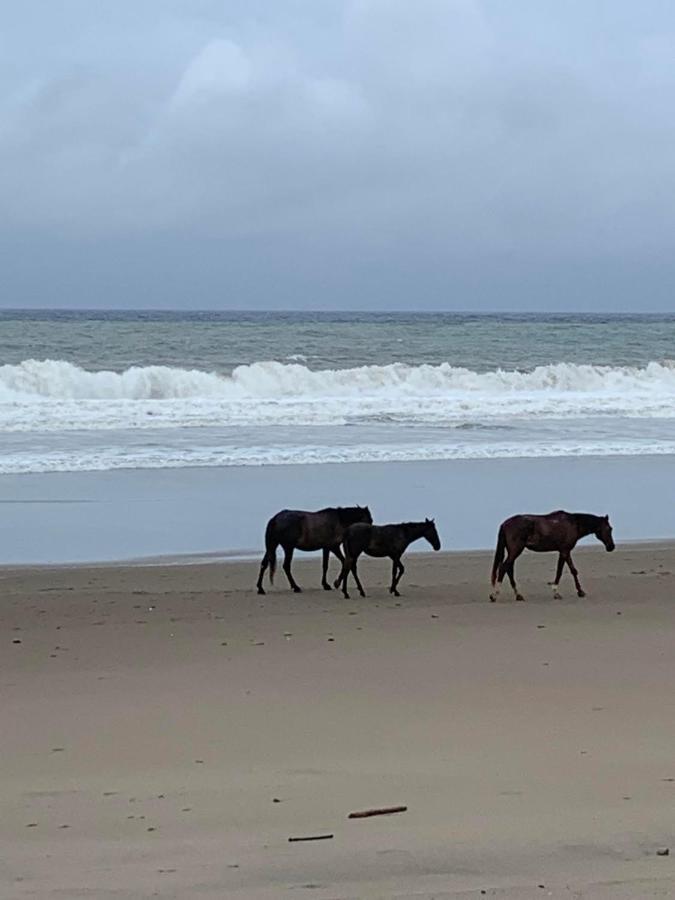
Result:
346,513
587,521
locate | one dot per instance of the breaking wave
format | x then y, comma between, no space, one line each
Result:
57,395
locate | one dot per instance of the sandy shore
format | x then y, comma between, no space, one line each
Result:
165,731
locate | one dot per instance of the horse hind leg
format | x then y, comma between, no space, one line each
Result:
512,579
505,568
288,559
263,568
508,568
344,576
356,578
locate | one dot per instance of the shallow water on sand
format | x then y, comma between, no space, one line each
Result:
76,517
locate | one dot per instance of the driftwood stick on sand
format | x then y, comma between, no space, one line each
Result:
311,837
384,811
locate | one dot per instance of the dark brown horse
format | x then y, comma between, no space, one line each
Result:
558,531
296,529
383,540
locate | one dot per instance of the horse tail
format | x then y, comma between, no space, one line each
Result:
271,549
499,553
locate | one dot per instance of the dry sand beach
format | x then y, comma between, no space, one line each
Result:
165,731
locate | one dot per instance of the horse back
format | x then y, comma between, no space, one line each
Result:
552,531
308,530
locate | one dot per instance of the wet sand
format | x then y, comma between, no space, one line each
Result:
165,731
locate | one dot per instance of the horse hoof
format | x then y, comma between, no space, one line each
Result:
326,587
346,596
297,590
557,595
336,583
520,598
396,594
261,591
363,593
581,593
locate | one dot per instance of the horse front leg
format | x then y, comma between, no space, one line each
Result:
575,574
401,570
288,559
394,570
324,582
558,575
397,572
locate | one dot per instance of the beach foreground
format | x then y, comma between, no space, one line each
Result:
165,731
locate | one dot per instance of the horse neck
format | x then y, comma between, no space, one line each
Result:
413,531
586,523
347,516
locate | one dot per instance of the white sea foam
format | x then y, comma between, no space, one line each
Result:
54,395
107,458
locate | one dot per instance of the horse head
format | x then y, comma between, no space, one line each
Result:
604,533
349,515
431,534
364,515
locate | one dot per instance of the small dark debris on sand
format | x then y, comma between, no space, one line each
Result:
383,811
311,837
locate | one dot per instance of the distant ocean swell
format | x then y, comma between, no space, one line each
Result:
54,395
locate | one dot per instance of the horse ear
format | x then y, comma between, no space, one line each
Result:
607,518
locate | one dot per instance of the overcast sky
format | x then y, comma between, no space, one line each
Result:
450,154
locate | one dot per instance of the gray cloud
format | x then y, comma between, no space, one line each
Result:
477,153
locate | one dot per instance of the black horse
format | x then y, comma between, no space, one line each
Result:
558,531
383,540
297,529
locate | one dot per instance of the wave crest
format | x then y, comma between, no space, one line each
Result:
52,395
59,379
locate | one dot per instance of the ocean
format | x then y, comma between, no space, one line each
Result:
100,391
